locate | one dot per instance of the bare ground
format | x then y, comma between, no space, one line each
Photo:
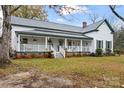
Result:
33,79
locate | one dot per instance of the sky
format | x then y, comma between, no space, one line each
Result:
76,18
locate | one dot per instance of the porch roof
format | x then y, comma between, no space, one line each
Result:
41,33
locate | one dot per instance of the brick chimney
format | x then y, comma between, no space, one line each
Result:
84,24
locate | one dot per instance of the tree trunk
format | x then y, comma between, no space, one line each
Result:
6,36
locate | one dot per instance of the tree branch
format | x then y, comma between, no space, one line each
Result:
15,9
113,10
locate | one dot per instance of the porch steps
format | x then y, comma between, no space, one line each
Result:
59,55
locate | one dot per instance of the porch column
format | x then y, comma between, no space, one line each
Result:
46,42
65,42
18,42
81,44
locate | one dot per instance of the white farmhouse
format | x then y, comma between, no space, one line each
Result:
33,36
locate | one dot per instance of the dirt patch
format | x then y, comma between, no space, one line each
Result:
34,79
81,80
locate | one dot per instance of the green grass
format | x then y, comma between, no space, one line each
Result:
92,68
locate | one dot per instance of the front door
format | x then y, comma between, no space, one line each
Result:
60,44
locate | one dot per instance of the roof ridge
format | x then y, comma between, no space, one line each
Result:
102,20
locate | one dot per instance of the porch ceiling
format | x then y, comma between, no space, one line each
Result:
40,33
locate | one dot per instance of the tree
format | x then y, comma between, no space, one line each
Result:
31,11
113,9
93,17
34,12
63,10
119,40
6,33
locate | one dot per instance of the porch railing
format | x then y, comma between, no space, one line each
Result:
73,48
78,48
86,49
32,47
40,48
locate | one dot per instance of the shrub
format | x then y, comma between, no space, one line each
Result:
92,54
112,54
117,51
108,51
99,52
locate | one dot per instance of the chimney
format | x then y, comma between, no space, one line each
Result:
84,24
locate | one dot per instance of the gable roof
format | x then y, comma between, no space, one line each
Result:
95,26
92,27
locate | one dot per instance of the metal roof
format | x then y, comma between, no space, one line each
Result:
52,25
42,24
95,26
46,33
56,28
92,26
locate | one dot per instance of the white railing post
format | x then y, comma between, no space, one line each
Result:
65,43
81,45
18,42
24,47
46,43
38,48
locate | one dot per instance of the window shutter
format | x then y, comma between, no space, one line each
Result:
99,44
96,43
102,43
106,44
110,44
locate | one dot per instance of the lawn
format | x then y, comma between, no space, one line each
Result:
83,71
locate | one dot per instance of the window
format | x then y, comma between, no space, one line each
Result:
99,44
108,44
24,41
